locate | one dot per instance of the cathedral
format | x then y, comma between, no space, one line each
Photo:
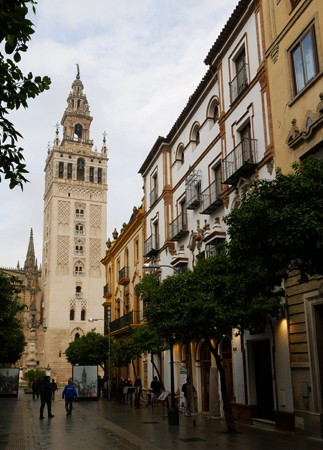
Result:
74,233
31,319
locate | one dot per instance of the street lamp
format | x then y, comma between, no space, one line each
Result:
33,323
109,334
173,412
148,266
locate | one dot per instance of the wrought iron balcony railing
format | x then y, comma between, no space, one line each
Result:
123,274
178,228
151,246
107,289
153,196
131,318
239,83
240,161
211,198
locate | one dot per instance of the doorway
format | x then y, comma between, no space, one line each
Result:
205,369
264,379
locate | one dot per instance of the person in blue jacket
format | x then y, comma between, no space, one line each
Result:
70,395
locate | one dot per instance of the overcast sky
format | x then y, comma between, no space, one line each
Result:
139,63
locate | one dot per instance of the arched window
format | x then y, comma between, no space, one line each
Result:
77,336
195,134
78,129
78,292
83,314
78,268
180,154
79,229
80,169
72,314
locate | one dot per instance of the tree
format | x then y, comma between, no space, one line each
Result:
32,375
12,338
209,302
280,223
91,349
15,88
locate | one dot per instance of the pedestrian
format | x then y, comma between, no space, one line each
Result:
121,385
187,389
70,394
35,387
45,391
100,386
138,387
54,388
113,388
130,383
155,385
107,389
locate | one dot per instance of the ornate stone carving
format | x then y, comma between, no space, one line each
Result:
226,200
311,124
270,166
274,53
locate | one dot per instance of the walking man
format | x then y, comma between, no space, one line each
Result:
155,385
54,388
70,395
45,391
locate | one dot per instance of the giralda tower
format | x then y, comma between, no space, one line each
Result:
74,236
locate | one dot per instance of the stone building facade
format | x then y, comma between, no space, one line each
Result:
196,175
32,320
294,55
74,232
123,270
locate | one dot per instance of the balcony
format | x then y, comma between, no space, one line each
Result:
178,228
79,273
79,232
239,83
211,198
193,189
107,290
79,216
240,162
151,246
124,276
78,252
153,196
132,318
78,295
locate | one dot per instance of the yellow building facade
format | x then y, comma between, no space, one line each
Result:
294,54
123,270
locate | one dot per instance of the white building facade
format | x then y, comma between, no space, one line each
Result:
192,179
74,236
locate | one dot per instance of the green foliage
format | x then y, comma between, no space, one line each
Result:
32,375
15,87
146,339
122,353
91,349
11,335
279,226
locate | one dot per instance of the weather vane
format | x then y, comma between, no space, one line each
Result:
104,135
57,127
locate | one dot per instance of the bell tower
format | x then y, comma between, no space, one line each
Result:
74,233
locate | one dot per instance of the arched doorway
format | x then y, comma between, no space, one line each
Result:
205,376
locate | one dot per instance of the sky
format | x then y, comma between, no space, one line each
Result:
139,63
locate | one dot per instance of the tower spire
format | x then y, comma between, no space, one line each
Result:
30,258
78,72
